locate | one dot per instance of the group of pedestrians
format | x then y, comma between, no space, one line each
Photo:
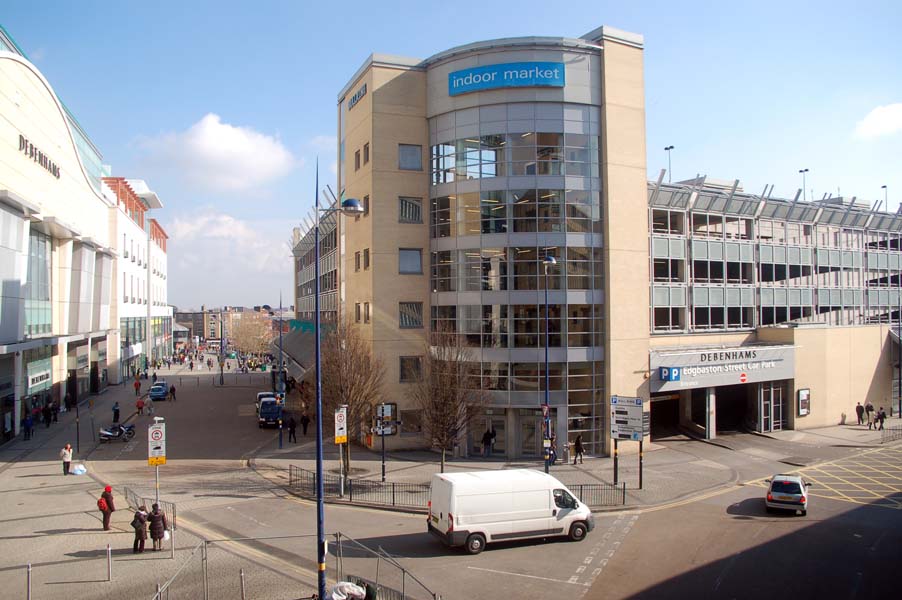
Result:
47,414
867,414
155,520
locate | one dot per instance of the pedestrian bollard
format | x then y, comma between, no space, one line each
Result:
241,576
280,434
28,583
109,563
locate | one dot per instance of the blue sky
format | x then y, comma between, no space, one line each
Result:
223,106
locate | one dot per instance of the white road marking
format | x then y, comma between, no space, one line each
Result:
527,576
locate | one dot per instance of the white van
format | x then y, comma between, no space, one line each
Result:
471,509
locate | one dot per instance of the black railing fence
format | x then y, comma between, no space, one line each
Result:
416,495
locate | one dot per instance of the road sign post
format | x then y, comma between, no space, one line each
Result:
341,437
156,451
629,421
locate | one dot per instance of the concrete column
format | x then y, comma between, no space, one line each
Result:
710,413
19,390
686,408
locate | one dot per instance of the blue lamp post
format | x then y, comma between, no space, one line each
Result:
549,262
349,207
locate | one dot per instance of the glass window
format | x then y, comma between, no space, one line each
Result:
366,205
410,157
358,312
410,368
411,421
366,153
410,261
366,312
356,160
357,261
494,213
410,210
444,272
366,258
410,315
441,224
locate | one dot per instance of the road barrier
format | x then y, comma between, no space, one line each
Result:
891,434
232,568
416,495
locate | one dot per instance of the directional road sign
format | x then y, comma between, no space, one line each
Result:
156,444
627,418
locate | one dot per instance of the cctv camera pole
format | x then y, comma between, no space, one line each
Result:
382,435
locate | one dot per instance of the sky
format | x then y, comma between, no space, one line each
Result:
223,107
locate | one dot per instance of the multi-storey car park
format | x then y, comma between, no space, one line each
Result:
718,308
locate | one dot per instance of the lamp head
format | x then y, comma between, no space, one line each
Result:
549,261
351,207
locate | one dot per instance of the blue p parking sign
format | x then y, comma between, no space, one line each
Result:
669,373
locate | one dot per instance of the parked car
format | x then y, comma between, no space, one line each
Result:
787,492
269,412
472,509
260,397
159,391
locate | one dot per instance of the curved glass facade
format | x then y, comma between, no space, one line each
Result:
511,184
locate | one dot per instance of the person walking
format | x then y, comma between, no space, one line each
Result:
881,417
869,408
158,527
137,386
859,410
305,421
68,400
552,455
139,523
140,406
486,443
116,412
66,455
578,449
172,393
106,506
47,413
149,406
870,419
292,426
153,378
55,410
28,426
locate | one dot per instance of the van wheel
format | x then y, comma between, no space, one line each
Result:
475,543
578,532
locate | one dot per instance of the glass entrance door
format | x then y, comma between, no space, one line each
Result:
499,426
530,436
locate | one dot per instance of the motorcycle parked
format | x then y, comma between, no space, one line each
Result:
117,432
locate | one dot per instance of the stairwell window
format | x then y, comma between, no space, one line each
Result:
410,157
410,210
410,315
366,153
366,259
410,261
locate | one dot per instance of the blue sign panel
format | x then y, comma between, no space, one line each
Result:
669,373
521,74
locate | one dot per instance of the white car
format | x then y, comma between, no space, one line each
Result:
787,492
260,397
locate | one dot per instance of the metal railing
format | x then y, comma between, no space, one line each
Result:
135,500
416,495
891,434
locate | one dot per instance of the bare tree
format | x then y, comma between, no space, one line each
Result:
448,391
252,333
352,376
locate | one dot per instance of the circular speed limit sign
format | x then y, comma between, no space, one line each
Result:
339,418
156,435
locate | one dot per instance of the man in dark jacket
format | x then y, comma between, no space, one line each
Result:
292,427
140,525
859,412
305,421
47,413
158,527
107,496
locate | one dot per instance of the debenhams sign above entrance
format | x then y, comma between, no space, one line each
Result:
29,150
680,370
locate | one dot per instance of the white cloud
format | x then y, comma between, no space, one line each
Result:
217,258
217,156
325,143
883,120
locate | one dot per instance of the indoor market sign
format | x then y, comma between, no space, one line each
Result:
29,150
506,75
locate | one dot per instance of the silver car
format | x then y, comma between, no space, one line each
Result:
787,492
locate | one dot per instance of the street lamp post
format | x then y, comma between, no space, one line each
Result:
549,261
898,309
804,184
350,206
668,149
221,352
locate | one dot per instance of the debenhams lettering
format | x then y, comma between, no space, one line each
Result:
728,355
39,157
